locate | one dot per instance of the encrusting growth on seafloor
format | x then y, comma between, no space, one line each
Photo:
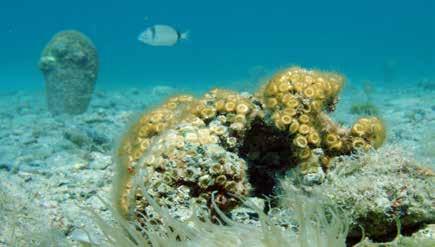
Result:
230,144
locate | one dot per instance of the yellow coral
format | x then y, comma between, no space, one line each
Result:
313,138
271,102
331,138
230,106
284,86
290,111
240,118
304,154
336,146
309,92
304,129
358,143
316,105
306,108
371,129
300,141
294,126
221,180
304,118
143,131
378,132
220,105
325,161
271,89
292,101
208,112
361,127
144,144
242,108
286,119
279,124
298,86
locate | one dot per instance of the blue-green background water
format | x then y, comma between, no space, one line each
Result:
231,41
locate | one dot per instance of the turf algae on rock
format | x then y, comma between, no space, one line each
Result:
69,64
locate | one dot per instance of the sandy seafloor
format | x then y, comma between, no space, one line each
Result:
56,166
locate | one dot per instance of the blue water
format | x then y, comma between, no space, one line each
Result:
231,41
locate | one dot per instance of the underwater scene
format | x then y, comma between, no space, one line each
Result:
217,123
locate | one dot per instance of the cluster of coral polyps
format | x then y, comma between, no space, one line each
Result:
227,145
297,101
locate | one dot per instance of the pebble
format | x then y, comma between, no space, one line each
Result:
26,176
80,166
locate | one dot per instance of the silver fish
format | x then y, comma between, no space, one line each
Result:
161,35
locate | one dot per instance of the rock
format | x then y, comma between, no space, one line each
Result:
83,237
4,166
80,166
248,213
423,238
69,63
99,161
78,136
376,189
85,137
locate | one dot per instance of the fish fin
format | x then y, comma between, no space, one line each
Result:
153,32
185,35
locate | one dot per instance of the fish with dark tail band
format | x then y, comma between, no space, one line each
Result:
162,35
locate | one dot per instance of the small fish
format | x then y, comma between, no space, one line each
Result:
161,35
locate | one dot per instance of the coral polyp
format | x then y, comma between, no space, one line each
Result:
232,145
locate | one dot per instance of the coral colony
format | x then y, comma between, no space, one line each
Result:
227,145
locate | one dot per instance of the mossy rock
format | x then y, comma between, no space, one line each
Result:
379,188
69,64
